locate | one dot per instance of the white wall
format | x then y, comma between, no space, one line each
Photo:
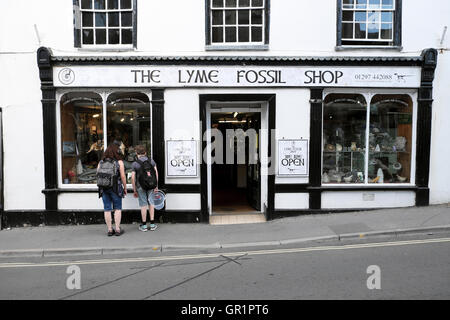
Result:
440,132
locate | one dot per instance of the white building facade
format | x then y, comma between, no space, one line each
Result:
343,103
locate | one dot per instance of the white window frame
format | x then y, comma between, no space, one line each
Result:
368,94
263,8
119,27
104,94
368,9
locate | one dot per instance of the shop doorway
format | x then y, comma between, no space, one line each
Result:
236,185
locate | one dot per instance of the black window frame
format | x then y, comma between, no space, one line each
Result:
236,45
397,31
77,30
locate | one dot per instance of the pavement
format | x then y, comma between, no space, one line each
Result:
49,241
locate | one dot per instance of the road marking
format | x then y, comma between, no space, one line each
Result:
228,254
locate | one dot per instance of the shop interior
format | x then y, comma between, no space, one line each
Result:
236,186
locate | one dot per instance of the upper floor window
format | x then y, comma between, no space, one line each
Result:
237,22
105,23
369,23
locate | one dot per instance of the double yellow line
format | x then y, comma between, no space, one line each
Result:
226,254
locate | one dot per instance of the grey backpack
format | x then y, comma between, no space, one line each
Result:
107,173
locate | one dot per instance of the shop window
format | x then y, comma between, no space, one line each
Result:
105,23
367,143
344,138
237,22
82,136
369,23
390,139
128,120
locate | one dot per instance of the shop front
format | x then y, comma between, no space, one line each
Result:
274,136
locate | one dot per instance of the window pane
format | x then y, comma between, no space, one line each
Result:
230,34
217,17
217,3
360,30
81,137
373,17
360,16
256,34
113,19
88,19
86,4
257,3
128,120
244,3
127,19
344,138
374,4
99,4
127,36
257,16
217,34
373,31
125,4
88,36
347,16
347,30
100,19
244,34
100,36
230,3
361,4
387,4
348,4
386,31
230,17
113,36
113,4
390,139
244,16
386,17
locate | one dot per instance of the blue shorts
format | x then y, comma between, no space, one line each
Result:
111,200
143,197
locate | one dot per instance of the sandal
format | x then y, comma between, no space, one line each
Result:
119,232
110,233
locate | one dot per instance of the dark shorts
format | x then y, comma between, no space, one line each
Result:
111,200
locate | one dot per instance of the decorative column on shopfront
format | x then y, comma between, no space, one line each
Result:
49,129
158,137
315,167
424,117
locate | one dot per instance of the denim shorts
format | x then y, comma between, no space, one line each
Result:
143,197
111,200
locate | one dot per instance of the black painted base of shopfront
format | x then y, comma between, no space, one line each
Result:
15,219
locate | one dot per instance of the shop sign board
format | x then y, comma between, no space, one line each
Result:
181,158
235,76
293,157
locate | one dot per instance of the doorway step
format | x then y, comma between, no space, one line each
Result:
221,219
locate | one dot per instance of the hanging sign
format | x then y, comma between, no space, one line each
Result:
181,158
235,76
293,157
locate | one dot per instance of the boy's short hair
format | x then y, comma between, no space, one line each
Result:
140,149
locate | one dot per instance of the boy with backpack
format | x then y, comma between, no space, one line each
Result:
144,179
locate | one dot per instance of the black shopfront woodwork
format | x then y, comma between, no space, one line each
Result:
427,61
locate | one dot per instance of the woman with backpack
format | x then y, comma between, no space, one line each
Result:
112,185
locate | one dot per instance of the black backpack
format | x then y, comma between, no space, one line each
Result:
146,175
107,173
